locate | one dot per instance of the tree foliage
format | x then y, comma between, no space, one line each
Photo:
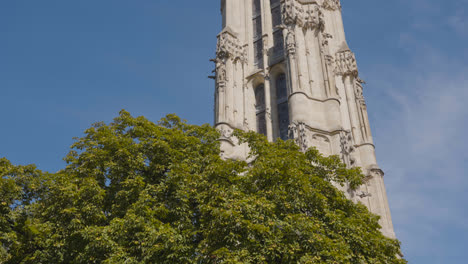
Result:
138,192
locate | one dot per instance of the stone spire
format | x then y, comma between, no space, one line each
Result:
284,69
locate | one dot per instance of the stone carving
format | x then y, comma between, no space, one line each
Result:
329,60
363,195
297,131
291,42
347,148
226,132
304,14
346,63
246,124
331,5
326,37
359,92
229,46
221,74
268,113
376,172
265,44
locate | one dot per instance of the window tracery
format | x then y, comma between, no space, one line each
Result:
260,109
282,106
278,40
257,33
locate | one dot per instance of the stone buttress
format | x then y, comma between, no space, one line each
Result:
284,69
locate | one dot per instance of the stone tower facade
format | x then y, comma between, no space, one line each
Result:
283,69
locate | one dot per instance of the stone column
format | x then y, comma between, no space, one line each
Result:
267,22
301,58
229,55
290,46
268,105
332,10
314,57
378,200
229,93
347,68
297,100
238,95
221,104
353,113
233,15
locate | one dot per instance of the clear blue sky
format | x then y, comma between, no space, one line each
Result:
67,64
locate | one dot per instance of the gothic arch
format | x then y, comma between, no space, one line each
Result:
251,112
277,69
260,109
279,99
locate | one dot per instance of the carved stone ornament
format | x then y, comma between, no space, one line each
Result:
346,63
265,43
326,37
306,14
359,92
346,142
246,124
221,77
329,60
226,132
297,131
376,172
363,195
291,42
268,113
331,4
229,46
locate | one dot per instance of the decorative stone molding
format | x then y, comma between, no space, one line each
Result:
375,172
325,38
346,143
363,195
268,113
229,46
246,124
306,14
329,59
290,42
332,5
226,132
297,131
346,63
359,92
221,76
265,44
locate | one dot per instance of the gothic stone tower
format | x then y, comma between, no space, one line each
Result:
283,69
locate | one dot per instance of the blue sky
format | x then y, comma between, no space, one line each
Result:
67,64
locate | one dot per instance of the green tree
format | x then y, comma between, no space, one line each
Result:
139,192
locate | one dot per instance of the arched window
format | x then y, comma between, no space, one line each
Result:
278,41
257,33
282,105
260,109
